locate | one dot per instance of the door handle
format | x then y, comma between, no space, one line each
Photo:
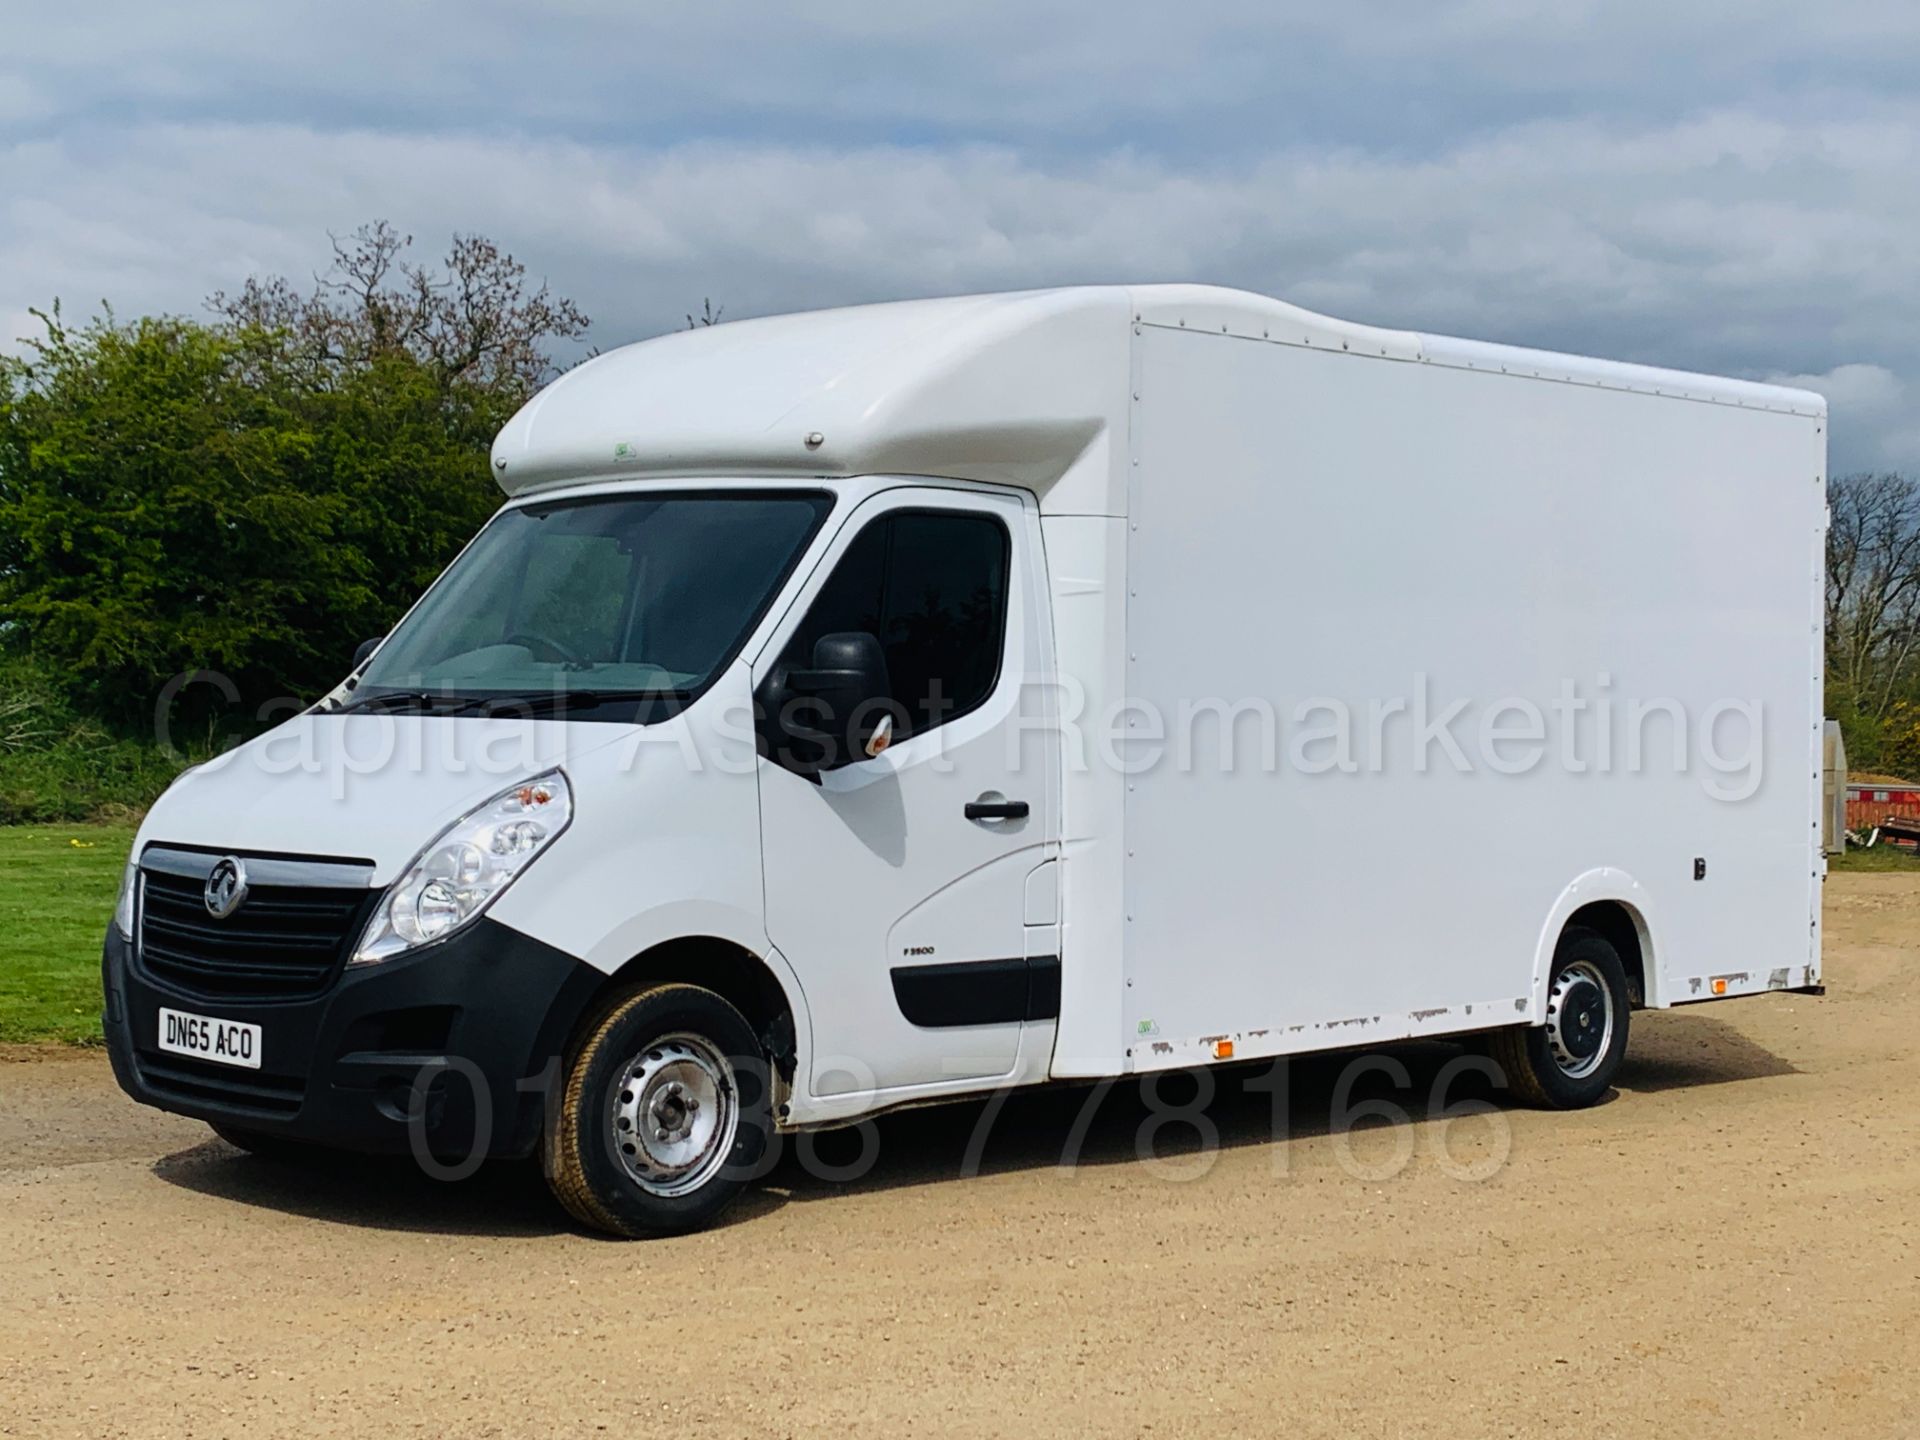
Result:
997,810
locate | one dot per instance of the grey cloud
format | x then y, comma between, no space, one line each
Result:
1718,186
1233,77
1876,409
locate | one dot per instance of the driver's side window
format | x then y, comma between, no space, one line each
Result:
931,586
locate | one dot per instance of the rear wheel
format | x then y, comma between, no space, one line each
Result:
1570,1061
665,1116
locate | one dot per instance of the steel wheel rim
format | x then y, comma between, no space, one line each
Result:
674,1115
1580,1019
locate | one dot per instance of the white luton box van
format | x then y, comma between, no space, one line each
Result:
858,709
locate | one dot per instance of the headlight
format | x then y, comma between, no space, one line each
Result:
455,878
123,907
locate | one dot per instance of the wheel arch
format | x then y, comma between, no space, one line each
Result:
761,990
1611,902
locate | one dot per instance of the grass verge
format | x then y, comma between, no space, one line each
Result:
1879,858
55,904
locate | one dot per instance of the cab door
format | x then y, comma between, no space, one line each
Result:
897,885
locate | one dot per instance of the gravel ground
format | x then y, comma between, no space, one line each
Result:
1728,1246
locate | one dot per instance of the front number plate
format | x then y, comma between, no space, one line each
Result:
225,1042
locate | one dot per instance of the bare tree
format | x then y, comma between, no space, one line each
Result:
476,319
708,315
1873,589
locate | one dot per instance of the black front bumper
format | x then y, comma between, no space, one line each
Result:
455,1049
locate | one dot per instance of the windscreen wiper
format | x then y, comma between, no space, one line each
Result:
534,702
391,700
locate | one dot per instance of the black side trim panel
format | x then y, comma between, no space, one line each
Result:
978,992
1043,987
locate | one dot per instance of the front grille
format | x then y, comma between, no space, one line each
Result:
284,942
192,1082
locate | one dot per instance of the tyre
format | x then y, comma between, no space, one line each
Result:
266,1146
1570,1061
664,1117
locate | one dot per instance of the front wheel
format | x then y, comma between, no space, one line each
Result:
665,1116
1570,1061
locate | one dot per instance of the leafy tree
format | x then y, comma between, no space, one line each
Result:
255,495
150,508
1899,741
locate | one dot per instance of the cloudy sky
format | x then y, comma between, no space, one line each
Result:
1728,185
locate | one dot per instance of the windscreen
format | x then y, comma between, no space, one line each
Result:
635,596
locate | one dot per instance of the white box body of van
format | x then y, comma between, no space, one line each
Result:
1339,670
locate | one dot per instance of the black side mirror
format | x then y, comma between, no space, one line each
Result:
830,713
364,649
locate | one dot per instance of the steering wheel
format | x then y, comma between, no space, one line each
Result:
538,643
